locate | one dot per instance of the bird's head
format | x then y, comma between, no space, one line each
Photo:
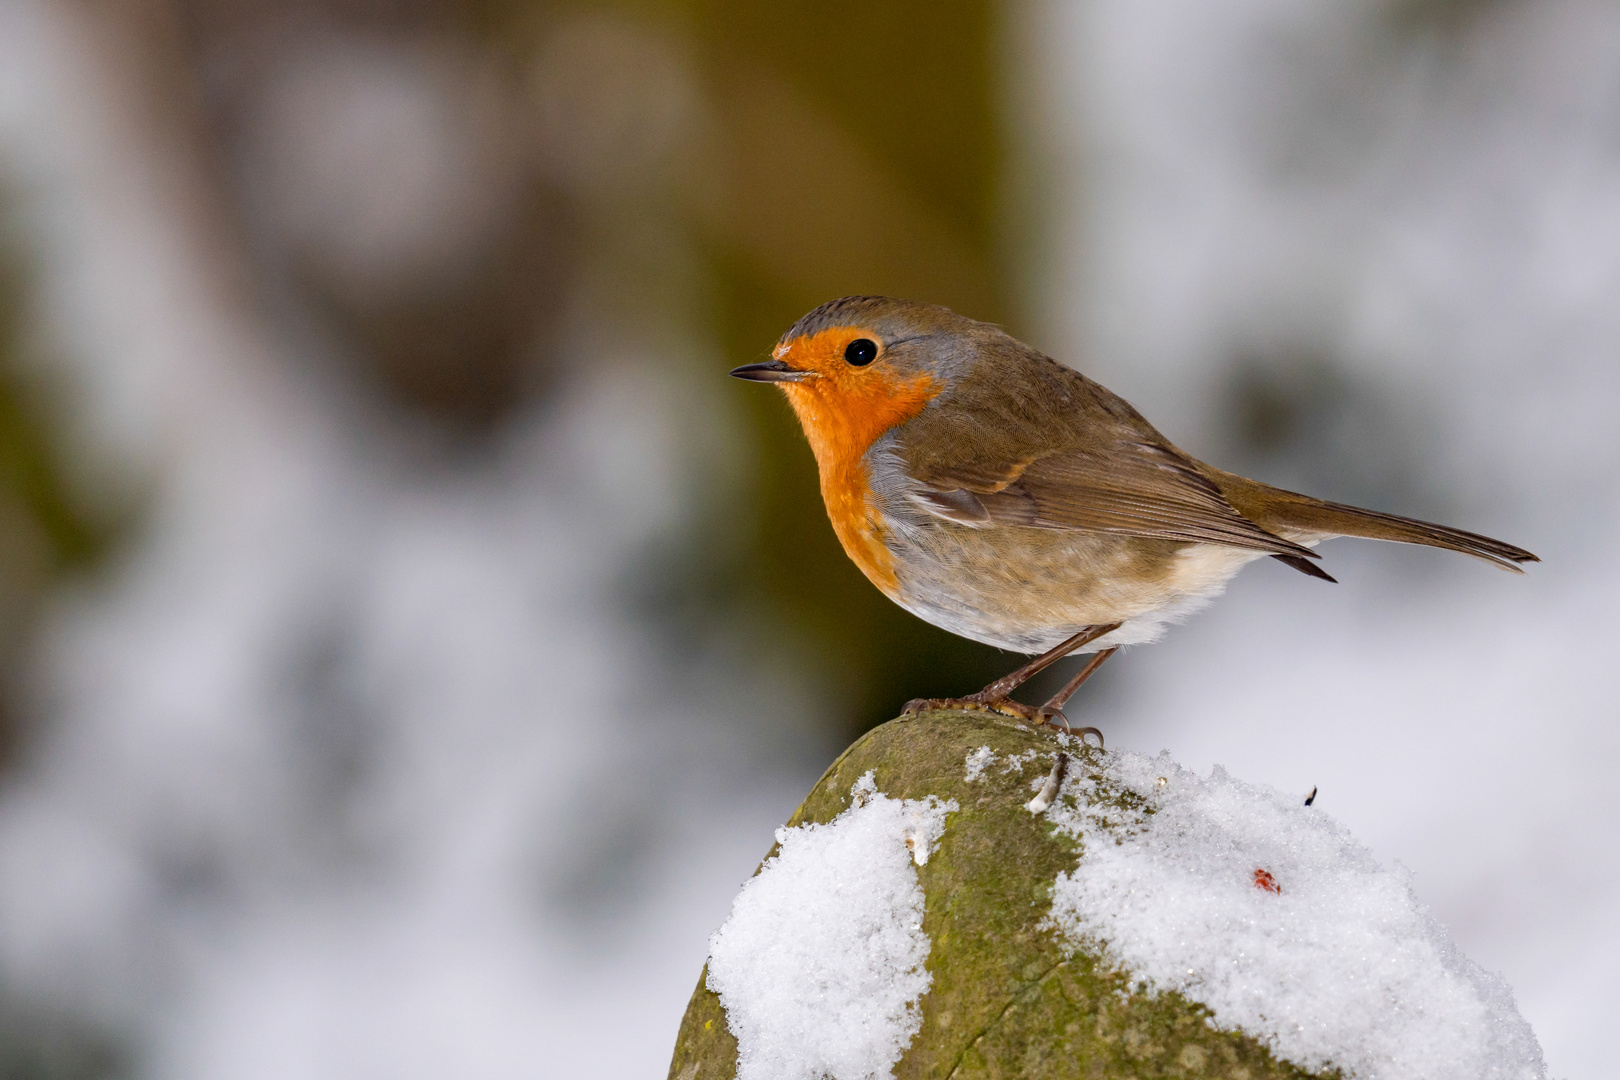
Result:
856,367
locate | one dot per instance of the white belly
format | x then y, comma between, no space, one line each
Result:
1028,589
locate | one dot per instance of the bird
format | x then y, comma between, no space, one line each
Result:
1007,498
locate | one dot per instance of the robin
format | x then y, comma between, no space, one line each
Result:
996,493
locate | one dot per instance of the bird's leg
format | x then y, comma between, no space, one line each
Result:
1053,709
995,697
998,690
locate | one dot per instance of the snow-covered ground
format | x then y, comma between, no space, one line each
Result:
1269,913
821,962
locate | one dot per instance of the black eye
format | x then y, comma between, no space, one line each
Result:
861,351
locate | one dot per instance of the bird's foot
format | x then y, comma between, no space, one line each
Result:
1053,716
1006,706
1044,716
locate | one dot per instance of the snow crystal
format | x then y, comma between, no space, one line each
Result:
978,761
1016,762
1272,916
820,964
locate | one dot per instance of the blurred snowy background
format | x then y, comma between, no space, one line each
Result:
409,637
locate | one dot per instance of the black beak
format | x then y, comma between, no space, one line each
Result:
771,371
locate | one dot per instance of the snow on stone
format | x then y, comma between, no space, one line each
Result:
820,964
1272,916
1015,762
978,761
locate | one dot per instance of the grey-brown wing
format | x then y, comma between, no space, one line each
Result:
1075,457
1142,489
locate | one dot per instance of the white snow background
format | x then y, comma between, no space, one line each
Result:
356,767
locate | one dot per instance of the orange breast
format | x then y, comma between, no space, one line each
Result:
847,492
843,413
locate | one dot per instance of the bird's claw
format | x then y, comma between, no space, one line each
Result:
1050,716
1081,733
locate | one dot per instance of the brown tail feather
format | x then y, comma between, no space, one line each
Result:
1289,513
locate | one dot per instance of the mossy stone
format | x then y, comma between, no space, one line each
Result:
1009,998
